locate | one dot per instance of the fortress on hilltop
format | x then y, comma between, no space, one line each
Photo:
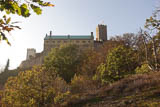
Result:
54,41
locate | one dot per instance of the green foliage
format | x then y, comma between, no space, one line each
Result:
120,62
153,23
143,69
101,74
32,88
6,26
80,84
61,98
6,74
22,8
36,9
65,61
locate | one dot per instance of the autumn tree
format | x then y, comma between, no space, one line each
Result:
33,88
152,32
65,61
19,7
93,58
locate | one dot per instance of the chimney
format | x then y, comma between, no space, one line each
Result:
92,35
50,33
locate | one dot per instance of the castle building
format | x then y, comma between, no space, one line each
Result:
55,41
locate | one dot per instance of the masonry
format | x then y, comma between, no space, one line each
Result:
55,41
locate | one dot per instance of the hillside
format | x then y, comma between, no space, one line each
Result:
141,90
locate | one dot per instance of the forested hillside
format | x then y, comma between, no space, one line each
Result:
123,72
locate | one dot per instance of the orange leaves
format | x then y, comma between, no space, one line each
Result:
6,26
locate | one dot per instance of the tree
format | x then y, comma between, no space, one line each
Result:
129,39
32,88
65,61
120,62
153,23
5,75
20,7
152,32
93,58
7,66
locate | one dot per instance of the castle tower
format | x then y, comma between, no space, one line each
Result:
101,33
31,53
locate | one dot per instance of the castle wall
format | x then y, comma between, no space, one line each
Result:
37,60
83,44
83,41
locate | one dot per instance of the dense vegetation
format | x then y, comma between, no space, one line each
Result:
123,72
115,75
21,8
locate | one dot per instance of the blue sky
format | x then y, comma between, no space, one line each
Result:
75,17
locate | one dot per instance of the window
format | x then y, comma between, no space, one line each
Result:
47,41
84,41
65,41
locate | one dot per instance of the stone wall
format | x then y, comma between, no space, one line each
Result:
38,60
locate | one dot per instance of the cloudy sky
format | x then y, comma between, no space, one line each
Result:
75,17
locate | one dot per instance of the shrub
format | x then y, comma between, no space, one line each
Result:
65,61
143,69
120,62
80,84
101,73
33,88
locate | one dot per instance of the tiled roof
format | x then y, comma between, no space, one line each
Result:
68,37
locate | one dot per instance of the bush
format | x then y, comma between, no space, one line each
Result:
120,62
143,69
80,84
65,61
101,74
33,88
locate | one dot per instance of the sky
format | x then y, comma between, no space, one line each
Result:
74,17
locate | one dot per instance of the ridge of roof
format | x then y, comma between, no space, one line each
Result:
68,37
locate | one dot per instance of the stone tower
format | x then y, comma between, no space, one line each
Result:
31,53
101,33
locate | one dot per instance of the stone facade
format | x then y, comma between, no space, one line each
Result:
55,41
101,33
31,53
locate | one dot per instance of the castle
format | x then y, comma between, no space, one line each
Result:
54,41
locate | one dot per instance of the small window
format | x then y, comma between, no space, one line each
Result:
47,41
84,41
65,41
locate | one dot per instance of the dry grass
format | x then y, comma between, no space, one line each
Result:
141,90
